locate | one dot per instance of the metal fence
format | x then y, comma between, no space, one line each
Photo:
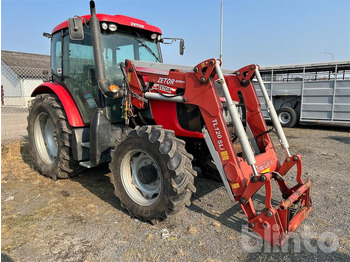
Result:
17,84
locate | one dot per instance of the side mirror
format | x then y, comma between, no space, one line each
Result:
182,46
75,26
91,77
168,41
48,35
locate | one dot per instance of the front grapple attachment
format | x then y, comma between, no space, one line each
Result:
256,164
275,225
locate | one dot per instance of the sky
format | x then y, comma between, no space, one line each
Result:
264,32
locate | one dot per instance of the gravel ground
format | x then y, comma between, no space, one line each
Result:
80,219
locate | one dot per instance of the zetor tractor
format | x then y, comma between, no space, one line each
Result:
112,100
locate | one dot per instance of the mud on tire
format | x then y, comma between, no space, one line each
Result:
49,135
152,173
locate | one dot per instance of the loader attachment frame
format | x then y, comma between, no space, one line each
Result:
243,174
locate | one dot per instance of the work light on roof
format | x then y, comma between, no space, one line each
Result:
104,26
153,36
112,27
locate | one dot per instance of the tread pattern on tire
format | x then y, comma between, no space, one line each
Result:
64,166
178,163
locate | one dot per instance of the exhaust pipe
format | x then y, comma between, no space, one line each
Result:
96,44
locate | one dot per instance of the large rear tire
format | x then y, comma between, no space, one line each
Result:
152,173
49,135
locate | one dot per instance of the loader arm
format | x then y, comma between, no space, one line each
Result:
243,175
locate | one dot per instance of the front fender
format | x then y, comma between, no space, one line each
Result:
72,112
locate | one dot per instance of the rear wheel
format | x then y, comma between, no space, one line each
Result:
49,135
152,173
287,116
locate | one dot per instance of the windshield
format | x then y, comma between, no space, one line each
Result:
77,63
119,46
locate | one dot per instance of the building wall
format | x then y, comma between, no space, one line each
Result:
16,91
10,81
28,86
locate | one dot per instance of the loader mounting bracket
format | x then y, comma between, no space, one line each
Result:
246,74
204,70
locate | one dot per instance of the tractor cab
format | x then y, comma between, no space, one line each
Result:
73,62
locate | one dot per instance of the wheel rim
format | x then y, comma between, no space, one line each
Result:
284,118
45,138
141,177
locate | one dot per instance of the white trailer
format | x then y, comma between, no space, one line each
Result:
318,92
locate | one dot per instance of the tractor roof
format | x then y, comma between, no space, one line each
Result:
118,19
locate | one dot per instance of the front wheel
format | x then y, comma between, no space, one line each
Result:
152,173
287,116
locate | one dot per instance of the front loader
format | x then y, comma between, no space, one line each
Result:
258,165
153,122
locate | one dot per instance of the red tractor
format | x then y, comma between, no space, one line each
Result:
111,99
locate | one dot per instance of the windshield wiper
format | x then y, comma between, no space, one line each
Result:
142,42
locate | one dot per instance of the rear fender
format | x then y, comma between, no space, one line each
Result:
72,112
